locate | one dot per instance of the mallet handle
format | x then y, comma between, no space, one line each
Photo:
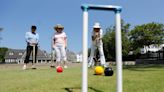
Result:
33,53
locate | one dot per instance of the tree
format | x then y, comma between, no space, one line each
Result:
146,35
2,53
109,41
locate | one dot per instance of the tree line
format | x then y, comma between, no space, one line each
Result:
133,39
3,51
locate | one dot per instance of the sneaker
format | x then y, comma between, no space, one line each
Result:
65,66
52,66
104,65
33,67
24,67
89,66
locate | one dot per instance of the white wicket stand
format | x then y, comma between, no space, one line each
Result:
117,10
85,53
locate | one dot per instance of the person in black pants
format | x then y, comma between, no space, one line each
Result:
32,39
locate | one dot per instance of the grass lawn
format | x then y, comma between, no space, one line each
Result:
45,79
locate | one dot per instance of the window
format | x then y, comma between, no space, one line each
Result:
20,53
11,53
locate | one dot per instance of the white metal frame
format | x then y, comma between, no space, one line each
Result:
117,10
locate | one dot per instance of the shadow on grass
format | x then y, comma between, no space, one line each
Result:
96,90
144,67
71,89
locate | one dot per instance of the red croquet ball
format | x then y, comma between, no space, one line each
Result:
59,69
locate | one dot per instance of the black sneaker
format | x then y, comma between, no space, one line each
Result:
52,66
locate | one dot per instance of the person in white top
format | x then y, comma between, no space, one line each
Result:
97,35
59,44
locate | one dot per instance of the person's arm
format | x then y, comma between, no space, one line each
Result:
53,42
65,40
101,34
34,40
93,36
27,37
96,36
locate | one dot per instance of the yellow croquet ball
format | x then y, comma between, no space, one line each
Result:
99,70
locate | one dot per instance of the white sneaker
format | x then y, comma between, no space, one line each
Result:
105,65
89,66
65,66
24,67
33,67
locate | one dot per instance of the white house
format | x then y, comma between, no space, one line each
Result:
18,56
79,57
151,48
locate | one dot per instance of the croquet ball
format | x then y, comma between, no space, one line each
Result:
59,69
99,70
108,71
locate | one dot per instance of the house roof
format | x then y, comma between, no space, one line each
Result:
14,53
20,53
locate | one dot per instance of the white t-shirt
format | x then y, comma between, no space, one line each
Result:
59,38
97,41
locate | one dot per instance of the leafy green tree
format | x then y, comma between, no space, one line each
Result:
109,41
2,53
146,35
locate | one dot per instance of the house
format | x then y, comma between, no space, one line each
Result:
71,56
78,57
14,56
18,56
151,48
153,51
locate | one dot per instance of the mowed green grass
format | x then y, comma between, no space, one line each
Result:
45,79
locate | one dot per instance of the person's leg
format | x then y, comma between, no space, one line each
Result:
52,58
91,55
63,55
102,57
28,52
58,55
